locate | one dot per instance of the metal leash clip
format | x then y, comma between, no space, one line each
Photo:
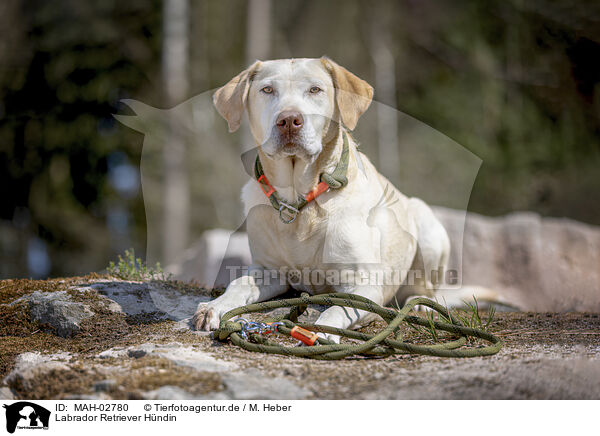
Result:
287,213
244,323
273,326
257,327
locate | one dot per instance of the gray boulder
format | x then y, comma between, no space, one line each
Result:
538,264
167,393
33,365
534,263
58,310
254,385
145,298
6,394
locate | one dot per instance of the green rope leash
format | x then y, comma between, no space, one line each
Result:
385,343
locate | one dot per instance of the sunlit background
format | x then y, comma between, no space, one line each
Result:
515,82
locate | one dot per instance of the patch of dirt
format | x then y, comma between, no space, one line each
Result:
529,339
149,373
534,343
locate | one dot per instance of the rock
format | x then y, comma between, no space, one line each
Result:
6,394
147,298
141,350
536,379
98,396
192,358
31,365
109,304
56,309
167,393
537,264
113,353
254,385
105,385
177,353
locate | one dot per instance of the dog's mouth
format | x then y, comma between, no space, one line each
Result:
292,148
281,145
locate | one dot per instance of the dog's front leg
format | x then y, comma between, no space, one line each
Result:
347,317
256,286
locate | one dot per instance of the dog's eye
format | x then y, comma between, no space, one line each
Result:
315,90
267,90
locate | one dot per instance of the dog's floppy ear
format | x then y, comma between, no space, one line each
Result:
230,99
353,95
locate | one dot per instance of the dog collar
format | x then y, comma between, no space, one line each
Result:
288,212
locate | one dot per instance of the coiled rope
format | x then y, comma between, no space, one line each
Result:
386,342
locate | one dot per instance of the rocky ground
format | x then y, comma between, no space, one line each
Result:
98,337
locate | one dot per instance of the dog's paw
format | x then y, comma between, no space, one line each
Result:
206,318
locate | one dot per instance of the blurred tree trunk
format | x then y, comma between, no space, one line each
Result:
199,60
175,60
258,46
258,30
385,92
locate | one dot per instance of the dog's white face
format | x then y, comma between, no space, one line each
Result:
294,105
290,105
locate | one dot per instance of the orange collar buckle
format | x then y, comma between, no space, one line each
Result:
262,181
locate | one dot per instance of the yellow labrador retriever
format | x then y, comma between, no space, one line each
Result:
320,218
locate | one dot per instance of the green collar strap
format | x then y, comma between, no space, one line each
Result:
288,212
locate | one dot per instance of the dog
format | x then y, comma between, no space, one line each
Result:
301,113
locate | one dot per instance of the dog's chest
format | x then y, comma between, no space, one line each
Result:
275,244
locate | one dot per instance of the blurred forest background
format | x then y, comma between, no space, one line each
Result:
515,82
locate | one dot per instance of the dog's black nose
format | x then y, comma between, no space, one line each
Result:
289,122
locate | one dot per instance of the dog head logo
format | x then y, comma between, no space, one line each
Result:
26,415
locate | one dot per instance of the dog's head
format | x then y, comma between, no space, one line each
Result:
294,105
